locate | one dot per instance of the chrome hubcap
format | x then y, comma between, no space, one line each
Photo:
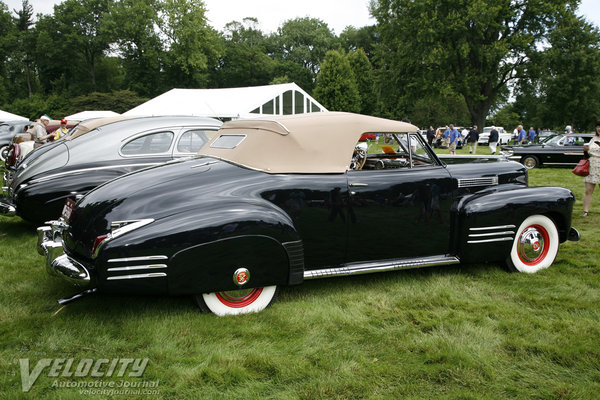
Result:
532,245
529,162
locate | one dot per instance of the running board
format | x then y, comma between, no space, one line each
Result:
380,266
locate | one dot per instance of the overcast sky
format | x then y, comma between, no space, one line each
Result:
338,14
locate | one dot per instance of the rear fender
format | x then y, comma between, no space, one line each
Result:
206,246
487,222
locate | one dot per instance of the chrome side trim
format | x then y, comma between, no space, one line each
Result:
45,178
505,232
134,259
485,228
137,267
502,239
138,276
474,235
471,182
381,266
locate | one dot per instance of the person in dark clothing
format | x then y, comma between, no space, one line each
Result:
493,140
472,138
430,135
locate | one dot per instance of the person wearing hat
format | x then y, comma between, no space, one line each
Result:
593,150
39,130
62,130
56,134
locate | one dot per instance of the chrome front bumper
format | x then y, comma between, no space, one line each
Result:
59,264
6,207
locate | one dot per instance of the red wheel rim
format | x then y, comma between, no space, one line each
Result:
533,245
239,298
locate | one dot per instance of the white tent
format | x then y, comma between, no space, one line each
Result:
6,116
83,115
244,102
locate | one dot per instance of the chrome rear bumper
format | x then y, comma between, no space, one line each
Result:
57,263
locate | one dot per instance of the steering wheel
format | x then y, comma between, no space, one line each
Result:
359,158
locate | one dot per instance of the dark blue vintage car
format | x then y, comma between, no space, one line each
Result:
559,150
275,202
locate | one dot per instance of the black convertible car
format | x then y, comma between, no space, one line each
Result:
95,152
279,201
555,150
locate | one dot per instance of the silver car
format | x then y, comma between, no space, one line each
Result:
95,152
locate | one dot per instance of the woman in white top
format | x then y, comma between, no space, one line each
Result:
593,179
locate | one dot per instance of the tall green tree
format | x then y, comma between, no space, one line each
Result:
363,75
191,45
24,50
365,38
336,86
477,47
569,80
81,24
299,45
244,61
7,37
133,24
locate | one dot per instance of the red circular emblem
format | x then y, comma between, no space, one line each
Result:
241,276
536,246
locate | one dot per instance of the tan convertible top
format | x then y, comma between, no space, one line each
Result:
303,143
89,125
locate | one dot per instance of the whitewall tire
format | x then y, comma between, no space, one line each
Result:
236,302
535,245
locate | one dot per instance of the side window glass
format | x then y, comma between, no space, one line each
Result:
154,143
420,155
193,141
390,151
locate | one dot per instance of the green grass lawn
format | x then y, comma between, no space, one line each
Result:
456,332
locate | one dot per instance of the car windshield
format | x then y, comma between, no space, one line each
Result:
549,138
555,140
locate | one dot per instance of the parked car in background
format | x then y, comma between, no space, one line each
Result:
503,136
564,149
8,130
97,151
273,202
544,134
23,143
367,137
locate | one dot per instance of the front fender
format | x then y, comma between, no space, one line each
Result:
487,222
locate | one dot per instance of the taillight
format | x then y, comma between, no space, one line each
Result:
13,155
97,244
117,229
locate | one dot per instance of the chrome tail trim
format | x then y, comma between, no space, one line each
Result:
381,266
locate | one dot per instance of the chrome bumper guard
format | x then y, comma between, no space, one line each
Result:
7,209
57,263
6,206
